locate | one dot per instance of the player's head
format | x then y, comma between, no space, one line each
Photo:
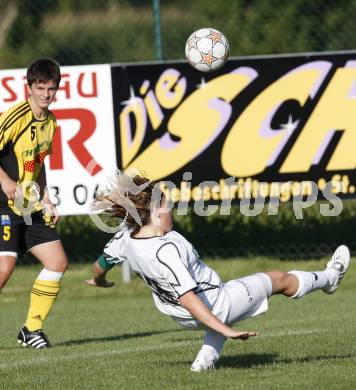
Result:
43,70
135,200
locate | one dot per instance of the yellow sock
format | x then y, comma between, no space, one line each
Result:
43,295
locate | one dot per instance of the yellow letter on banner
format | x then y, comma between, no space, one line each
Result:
251,145
129,145
336,110
170,89
196,123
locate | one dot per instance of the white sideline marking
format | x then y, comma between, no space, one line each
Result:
86,355
295,332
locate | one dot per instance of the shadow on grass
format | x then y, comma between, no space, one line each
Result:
247,361
256,360
125,336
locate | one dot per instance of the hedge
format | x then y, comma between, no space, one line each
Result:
280,235
235,235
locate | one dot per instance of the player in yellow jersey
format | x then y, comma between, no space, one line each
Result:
27,216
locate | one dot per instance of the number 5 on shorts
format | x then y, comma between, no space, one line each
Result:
6,235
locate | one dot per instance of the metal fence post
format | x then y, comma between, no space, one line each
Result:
157,23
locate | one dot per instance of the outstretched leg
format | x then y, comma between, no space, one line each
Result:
296,284
248,297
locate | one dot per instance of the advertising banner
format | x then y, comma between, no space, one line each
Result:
84,145
261,127
273,127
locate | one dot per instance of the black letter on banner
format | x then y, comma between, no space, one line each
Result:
75,193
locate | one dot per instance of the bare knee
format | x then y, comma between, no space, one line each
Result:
282,282
64,265
58,265
52,256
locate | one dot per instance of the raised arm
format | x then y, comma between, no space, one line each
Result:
199,310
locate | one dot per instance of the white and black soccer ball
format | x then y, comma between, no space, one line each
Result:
207,49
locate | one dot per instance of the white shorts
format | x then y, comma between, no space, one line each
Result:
248,296
239,299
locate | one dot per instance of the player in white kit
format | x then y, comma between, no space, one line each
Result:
183,286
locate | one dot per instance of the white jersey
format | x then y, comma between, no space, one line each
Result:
171,267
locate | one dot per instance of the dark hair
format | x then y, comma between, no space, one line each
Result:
43,70
131,200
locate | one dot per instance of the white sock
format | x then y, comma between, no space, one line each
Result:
309,282
45,274
210,351
213,345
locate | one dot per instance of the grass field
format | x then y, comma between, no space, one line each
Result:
116,339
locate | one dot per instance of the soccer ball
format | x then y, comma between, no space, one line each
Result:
207,49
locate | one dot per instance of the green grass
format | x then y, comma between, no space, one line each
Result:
116,339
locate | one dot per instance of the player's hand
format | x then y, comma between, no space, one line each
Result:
240,334
10,188
100,283
51,209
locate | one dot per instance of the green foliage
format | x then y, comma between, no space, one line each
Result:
82,240
281,235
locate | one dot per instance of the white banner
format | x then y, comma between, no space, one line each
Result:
84,145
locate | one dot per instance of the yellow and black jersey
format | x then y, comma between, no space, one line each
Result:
24,143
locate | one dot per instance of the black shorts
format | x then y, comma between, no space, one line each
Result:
19,234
